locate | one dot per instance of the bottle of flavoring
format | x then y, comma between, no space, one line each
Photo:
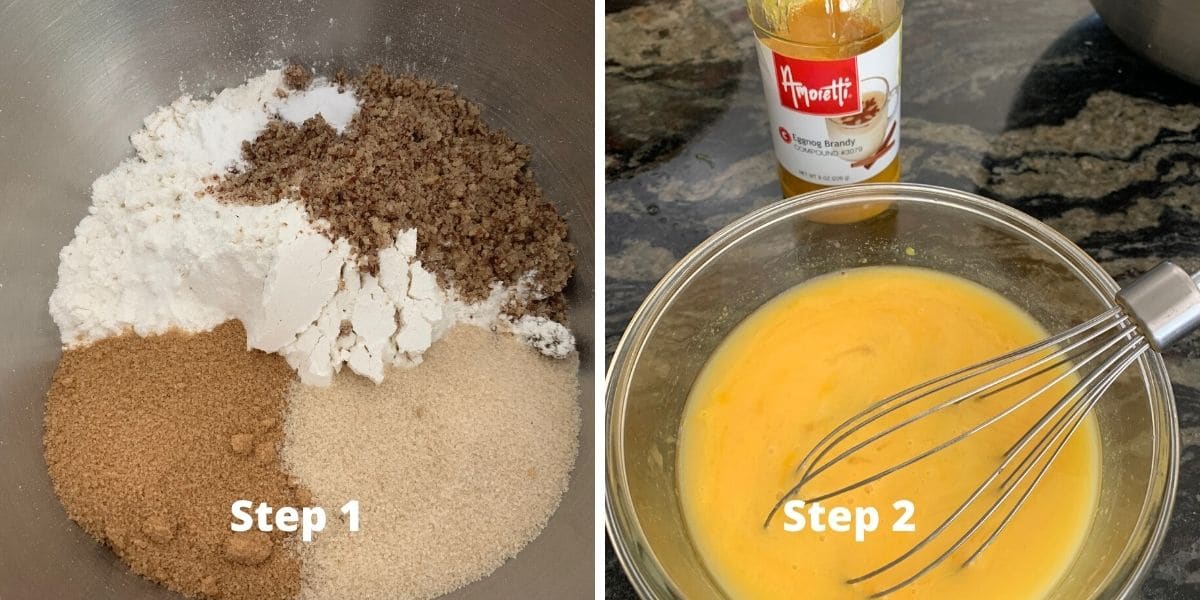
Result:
831,74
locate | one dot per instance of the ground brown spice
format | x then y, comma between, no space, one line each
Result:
150,440
416,155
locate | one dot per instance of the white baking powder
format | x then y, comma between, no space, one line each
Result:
157,253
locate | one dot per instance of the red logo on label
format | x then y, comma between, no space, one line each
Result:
785,136
828,88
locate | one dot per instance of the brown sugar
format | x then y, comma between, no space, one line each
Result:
142,441
241,443
248,548
416,155
296,77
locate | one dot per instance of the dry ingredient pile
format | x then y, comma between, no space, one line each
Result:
431,486
418,156
149,442
305,291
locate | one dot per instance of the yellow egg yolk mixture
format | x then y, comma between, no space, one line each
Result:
814,356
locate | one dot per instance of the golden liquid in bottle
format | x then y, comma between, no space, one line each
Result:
821,29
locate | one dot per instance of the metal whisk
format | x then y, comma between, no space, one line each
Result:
1155,310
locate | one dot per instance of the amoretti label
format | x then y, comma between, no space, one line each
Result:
818,87
836,121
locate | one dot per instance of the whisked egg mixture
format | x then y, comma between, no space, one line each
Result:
819,353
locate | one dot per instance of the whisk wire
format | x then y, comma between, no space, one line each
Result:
1076,418
1020,443
940,383
815,471
1101,324
1086,388
945,524
1155,310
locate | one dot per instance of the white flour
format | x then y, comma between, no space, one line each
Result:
322,98
156,253
549,337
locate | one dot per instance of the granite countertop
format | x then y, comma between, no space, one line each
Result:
1035,104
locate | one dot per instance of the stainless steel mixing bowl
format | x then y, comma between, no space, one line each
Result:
1163,31
76,78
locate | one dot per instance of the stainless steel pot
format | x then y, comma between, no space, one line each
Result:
1162,31
76,78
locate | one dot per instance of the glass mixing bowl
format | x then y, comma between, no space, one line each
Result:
759,256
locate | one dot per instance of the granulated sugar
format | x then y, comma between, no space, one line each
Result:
457,464
150,440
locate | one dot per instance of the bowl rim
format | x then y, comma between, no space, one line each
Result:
621,521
